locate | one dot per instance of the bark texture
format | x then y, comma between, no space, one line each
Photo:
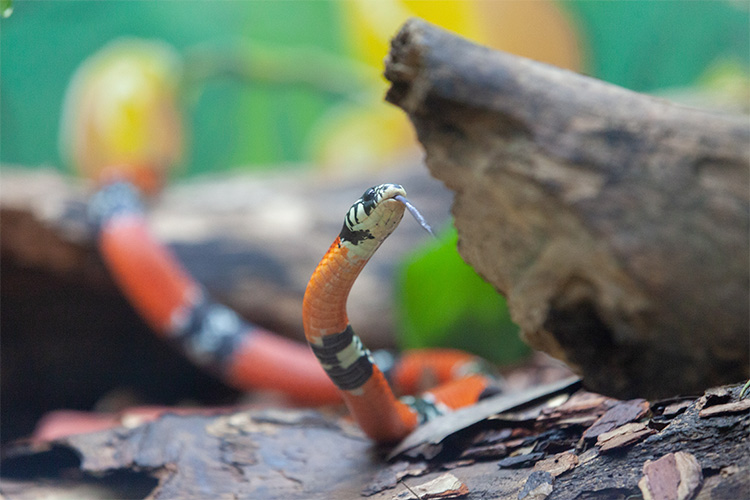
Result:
589,447
615,223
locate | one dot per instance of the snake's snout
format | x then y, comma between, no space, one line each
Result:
377,194
361,215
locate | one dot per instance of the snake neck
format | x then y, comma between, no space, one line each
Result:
341,353
324,304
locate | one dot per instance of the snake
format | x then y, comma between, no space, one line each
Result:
336,366
343,356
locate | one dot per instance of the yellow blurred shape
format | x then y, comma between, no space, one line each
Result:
121,116
350,138
537,29
370,25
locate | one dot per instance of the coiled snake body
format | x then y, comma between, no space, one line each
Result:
248,357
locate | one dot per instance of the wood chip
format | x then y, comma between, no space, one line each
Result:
588,455
624,435
582,403
445,486
675,476
486,452
557,464
435,431
520,461
389,477
725,409
675,409
492,436
621,413
691,475
714,396
538,486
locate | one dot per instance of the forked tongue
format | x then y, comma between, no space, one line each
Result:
415,213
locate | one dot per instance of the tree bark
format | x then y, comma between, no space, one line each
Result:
587,447
615,223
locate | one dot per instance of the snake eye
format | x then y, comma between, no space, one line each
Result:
369,195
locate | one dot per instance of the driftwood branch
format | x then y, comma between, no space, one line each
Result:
616,224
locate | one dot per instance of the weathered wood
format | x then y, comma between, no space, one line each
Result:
311,455
434,432
615,223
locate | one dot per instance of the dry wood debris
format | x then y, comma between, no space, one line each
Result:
540,451
675,476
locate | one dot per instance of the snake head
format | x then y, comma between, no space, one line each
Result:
370,198
374,215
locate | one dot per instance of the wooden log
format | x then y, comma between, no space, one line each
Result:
615,223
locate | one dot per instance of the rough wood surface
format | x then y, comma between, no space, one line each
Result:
616,224
270,454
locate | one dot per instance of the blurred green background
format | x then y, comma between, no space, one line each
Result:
644,46
297,85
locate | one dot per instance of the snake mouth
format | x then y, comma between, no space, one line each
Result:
358,227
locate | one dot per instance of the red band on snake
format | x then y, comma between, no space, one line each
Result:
176,307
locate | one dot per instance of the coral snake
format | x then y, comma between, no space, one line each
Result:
250,358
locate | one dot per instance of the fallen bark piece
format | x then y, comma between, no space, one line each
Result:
558,464
427,438
676,408
675,476
615,223
714,396
486,452
390,476
520,461
624,435
444,487
621,413
538,486
724,409
582,408
691,475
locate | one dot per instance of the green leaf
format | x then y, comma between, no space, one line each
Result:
443,302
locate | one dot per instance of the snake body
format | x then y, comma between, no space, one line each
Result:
249,358
347,362
179,309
